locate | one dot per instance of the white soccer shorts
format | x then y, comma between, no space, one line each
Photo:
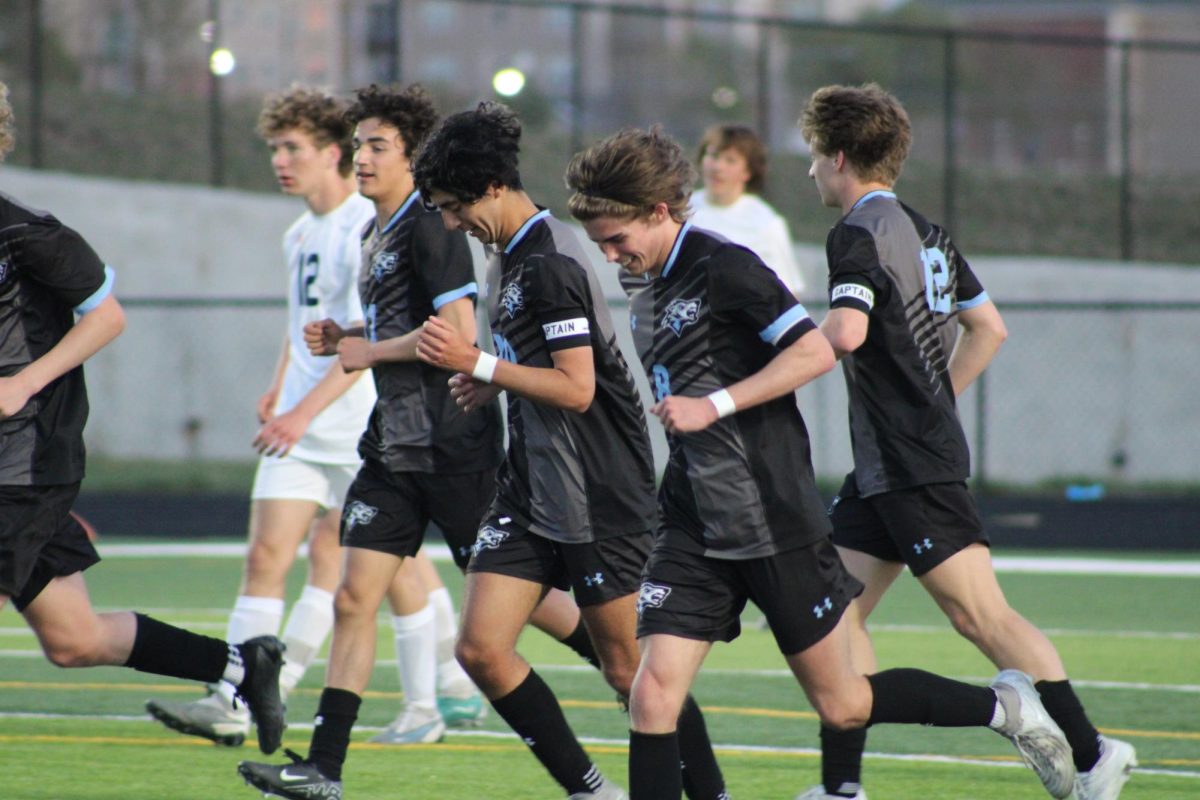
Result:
291,478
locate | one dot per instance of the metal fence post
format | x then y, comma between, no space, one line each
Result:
764,82
949,169
577,98
1125,198
37,83
216,145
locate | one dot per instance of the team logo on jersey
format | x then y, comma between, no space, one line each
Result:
681,313
384,264
512,299
3,270
651,596
358,513
489,538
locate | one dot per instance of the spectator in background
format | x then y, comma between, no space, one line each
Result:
733,164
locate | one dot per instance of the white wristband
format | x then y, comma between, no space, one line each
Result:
485,367
723,402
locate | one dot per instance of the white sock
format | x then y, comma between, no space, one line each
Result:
451,679
415,658
251,616
307,628
999,716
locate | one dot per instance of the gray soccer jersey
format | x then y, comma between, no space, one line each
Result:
411,268
48,273
889,262
568,477
743,487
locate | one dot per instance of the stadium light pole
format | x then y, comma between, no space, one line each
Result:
216,155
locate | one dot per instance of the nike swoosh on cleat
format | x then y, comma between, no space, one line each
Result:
284,775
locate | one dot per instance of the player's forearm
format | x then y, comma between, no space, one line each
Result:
92,332
399,348
972,354
806,359
335,384
552,386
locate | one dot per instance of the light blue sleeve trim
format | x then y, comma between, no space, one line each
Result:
775,331
977,300
98,296
455,294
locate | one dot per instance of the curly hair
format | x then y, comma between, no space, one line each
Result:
744,141
8,135
864,122
470,152
317,113
627,174
409,110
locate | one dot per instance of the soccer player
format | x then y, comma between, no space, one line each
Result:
725,345
48,276
575,497
311,416
899,294
733,165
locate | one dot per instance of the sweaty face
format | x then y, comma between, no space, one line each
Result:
725,173
479,218
640,245
299,164
381,163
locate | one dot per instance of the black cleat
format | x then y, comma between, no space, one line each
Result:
263,657
299,780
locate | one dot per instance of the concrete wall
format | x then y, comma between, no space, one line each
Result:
1077,393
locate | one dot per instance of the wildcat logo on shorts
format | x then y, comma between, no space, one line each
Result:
512,299
383,264
651,596
489,538
681,313
358,513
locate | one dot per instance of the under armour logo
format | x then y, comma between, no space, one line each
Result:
594,580
922,547
820,608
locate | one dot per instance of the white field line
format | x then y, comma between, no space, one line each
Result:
592,740
438,552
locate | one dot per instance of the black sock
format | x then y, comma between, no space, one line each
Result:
166,650
841,760
913,695
533,712
652,766
581,643
336,712
1064,707
702,779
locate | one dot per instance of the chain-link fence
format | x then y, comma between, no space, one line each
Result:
1027,140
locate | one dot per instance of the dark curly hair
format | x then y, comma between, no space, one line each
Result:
409,110
7,136
627,174
864,122
470,152
313,111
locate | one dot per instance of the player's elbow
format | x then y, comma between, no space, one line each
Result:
582,401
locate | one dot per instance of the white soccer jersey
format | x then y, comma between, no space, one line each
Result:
751,222
324,256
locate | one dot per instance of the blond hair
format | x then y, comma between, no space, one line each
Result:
8,136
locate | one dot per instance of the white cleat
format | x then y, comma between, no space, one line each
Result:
1037,738
413,726
210,718
607,791
1104,780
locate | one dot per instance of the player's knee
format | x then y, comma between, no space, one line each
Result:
651,705
266,564
72,652
620,676
350,605
476,657
842,713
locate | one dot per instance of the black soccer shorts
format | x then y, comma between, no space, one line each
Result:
921,526
39,540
